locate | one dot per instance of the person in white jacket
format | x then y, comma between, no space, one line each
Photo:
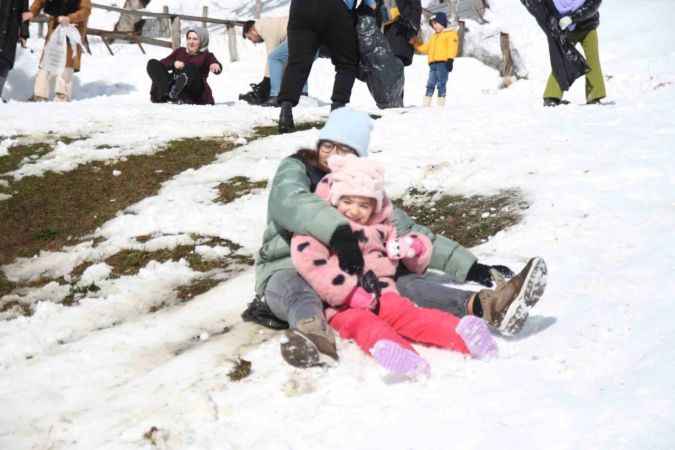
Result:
272,31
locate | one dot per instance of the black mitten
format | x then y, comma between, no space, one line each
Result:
450,64
371,284
480,273
345,243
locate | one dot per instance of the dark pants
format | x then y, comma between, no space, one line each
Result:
163,79
438,78
313,23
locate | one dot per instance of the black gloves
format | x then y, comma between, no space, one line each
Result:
345,243
450,64
480,273
369,282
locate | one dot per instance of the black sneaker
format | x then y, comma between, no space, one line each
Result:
259,312
309,343
336,105
553,101
286,124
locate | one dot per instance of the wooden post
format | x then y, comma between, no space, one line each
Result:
205,14
462,32
506,67
232,42
175,32
258,8
41,29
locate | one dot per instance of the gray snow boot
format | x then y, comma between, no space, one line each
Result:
303,345
507,307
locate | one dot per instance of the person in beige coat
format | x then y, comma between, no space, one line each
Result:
61,12
272,31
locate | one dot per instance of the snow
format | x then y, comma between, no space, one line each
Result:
592,369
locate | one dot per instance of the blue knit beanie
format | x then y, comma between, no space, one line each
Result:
348,127
440,18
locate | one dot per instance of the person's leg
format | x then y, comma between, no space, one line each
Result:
291,299
41,88
195,83
442,74
64,85
424,325
4,71
431,291
276,61
552,90
303,42
380,340
339,34
431,82
160,81
595,82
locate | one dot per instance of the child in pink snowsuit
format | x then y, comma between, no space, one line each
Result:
384,326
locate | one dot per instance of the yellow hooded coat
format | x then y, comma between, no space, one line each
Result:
441,46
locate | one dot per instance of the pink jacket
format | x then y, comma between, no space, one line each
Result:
320,267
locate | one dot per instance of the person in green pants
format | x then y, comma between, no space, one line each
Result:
580,20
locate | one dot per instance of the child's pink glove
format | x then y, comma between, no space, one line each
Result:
405,247
360,298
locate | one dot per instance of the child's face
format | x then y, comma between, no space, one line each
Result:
356,208
192,42
437,26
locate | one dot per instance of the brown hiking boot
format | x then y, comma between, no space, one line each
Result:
303,345
507,307
37,98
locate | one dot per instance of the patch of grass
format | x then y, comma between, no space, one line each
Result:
238,187
241,369
46,210
18,153
12,309
104,146
197,287
77,293
6,286
129,262
70,139
467,220
273,130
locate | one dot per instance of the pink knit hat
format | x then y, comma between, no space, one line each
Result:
351,175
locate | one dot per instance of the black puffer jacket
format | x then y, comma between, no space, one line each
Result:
11,28
587,17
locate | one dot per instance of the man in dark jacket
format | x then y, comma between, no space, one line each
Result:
579,20
312,23
13,17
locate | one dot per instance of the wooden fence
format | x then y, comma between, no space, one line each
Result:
174,19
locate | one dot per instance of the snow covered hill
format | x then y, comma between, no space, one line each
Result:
593,368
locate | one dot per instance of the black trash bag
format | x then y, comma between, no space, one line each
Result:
258,312
381,70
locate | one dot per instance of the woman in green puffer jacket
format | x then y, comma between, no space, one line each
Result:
293,208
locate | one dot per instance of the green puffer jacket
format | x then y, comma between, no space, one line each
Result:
293,208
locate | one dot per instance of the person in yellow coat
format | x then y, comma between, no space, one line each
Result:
441,49
61,12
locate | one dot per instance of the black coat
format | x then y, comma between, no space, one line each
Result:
567,64
405,27
11,28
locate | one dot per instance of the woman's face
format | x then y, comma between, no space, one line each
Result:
192,42
329,148
356,208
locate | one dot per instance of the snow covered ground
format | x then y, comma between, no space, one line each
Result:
593,368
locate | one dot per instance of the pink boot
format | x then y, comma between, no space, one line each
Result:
399,360
476,335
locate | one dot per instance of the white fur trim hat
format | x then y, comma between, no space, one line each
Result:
356,176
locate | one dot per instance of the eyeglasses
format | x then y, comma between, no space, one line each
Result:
330,146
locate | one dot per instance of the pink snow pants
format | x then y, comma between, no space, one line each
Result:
401,321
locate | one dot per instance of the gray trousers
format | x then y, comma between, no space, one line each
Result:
291,299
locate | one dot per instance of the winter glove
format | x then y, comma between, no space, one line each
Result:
405,247
480,273
371,283
565,22
345,243
450,64
362,299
